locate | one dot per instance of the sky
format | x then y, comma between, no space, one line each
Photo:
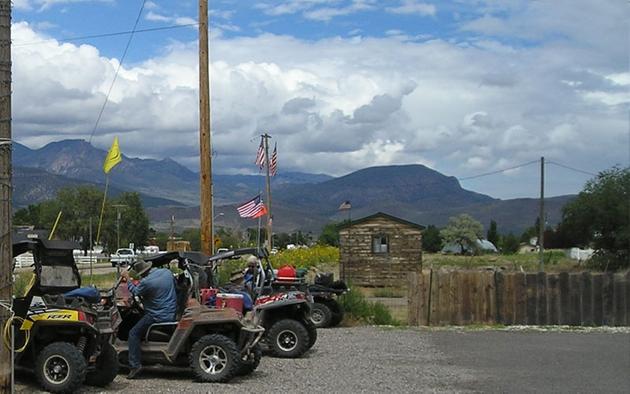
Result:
466,87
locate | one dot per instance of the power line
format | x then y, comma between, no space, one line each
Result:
571,168
498,171
122,59
119,33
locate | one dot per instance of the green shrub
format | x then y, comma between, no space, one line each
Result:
358,308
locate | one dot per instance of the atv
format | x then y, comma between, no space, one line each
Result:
282,308
216,343
326,311
62,332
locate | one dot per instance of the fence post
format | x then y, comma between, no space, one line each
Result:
587,299
607,299
620,299
541,298
499,289
413,299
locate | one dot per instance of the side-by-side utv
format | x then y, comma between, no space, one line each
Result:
62,334
216,343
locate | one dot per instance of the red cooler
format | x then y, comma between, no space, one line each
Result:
206,295
234,301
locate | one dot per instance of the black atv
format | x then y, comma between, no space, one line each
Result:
326,311
62,332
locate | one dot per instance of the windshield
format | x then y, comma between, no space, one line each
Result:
124,251
58,276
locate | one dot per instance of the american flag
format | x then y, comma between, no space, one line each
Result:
252,209
273,165
260,155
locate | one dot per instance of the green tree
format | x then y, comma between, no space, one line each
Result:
464,231
493,235
509,244
41,215
134,222
81,206
230,238
329,235
192,235
432,240
281,240
600,216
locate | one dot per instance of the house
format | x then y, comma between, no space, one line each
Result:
380,250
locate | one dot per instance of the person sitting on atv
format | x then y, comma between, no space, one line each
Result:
159,299
249,273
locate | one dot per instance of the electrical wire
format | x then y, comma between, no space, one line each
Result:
571,168
498,171
122,59
119,33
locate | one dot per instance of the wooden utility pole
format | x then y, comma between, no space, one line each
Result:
205,145
541,218
6,265
269,216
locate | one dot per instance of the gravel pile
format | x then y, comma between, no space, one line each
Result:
359,359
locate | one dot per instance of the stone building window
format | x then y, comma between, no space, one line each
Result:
380,243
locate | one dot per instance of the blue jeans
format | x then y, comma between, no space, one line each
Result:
136,334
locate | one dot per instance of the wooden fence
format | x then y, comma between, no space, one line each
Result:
439,297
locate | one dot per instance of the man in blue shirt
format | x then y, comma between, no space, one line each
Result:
157,291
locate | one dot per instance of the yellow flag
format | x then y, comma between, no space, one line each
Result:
113,157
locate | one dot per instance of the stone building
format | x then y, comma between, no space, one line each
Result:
380,250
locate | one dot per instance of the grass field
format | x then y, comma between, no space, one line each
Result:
555,261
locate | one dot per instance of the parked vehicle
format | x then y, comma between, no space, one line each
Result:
326,311
123,257
282,308
216,343
62,332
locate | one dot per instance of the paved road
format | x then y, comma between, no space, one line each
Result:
530,361
372,359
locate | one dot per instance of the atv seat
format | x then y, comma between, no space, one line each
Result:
160,332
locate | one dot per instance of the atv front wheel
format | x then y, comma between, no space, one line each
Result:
337,313
321,315
214,358
60,368
249,363
288,338
312,333
106,367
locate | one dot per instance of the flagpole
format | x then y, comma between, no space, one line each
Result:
100,220
269,217
258,237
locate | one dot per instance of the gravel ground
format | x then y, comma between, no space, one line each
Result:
400,360
360,359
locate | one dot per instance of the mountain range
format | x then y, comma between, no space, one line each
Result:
301,201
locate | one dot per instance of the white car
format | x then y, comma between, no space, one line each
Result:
123,257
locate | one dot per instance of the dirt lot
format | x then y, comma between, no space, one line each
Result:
373,359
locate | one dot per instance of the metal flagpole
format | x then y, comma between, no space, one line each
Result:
269,216
258,236
91,254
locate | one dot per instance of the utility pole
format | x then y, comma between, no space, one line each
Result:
6,264
270,217
118,206
205,145
541,218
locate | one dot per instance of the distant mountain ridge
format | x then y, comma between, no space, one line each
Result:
166,179
301,201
